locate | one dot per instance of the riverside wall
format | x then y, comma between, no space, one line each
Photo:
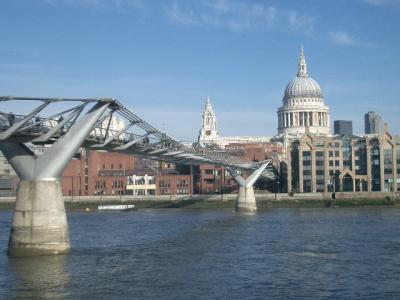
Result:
351,196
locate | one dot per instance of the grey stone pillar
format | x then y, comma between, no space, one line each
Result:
246,200
39,224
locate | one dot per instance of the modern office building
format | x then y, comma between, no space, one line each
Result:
373,123
343,127
344,163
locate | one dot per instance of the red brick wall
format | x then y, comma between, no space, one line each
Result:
174,185
80,176
214,179
72,180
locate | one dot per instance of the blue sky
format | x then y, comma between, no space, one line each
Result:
163,58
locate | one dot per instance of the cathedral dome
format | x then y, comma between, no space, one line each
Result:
303,105
303,86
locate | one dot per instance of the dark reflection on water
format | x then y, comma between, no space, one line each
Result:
203,254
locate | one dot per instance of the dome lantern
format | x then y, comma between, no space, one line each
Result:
302,71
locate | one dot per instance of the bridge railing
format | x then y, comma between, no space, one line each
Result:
118,129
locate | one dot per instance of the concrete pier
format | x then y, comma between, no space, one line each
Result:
39,225
246,201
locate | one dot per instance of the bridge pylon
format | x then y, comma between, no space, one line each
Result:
39,224
246,201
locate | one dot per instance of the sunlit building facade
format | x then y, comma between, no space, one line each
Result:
343,163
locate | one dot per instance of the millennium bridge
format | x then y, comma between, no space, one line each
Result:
62,126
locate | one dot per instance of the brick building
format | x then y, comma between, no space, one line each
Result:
97,173
109,173
214,179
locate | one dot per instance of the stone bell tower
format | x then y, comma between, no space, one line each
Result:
208,132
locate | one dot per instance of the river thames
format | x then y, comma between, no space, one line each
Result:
351,253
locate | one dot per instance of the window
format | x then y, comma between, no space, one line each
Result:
388,171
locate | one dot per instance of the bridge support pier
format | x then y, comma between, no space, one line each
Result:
246,201
39,225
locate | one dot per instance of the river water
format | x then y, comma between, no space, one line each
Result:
351,253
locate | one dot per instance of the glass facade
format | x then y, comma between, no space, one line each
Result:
295,166
375,166
388,169
307,169
319,171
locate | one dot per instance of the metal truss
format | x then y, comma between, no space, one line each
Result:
56,121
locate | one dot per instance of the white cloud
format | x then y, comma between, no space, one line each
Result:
238,16
346,39
301,23
98,4
382,2
181,15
